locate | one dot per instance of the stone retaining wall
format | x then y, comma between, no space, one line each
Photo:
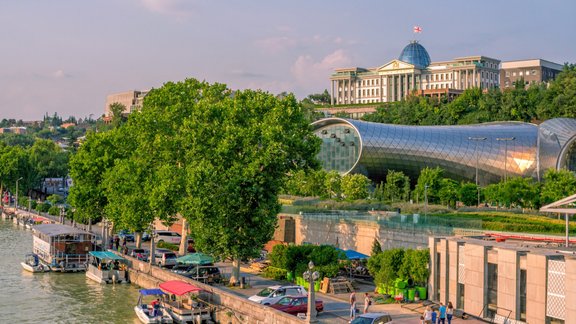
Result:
228,307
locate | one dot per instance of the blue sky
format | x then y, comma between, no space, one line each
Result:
65,56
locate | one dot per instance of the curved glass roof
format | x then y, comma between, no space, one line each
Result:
415,54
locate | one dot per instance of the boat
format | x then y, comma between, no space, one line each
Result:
145,312
183,305
64,248
32,264
107,267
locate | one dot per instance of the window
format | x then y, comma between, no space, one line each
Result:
523,283
533,72
520,73
513,73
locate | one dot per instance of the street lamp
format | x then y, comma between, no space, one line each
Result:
16,202
477,139
426,199
311,276
506,140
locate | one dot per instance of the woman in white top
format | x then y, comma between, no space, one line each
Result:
449,312
428,315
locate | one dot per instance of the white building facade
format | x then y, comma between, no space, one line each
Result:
412,73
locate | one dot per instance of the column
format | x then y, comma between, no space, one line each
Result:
405,85
413,82
393,88
474,77
508,277
466,80
536,293
475,286
399,88
381,89
452,271
331,92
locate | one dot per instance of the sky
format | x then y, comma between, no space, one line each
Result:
66,56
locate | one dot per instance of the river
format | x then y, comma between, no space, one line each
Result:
55,297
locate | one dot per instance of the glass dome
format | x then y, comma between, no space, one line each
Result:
415,54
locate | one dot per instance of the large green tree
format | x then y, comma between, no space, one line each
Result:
557,185
397,187
355,186
429,184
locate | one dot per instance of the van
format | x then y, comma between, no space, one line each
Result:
165,258
167,236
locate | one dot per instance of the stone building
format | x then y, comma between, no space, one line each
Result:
412,72
530,71
508,280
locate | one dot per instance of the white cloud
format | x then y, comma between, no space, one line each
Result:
276,44
60,74
177,8
310,74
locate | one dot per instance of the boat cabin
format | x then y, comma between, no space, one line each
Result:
184,304
64,248
107,267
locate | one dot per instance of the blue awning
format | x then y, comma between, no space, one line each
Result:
151,292
105,255
353,255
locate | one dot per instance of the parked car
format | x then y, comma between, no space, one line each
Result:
140,254
205,273
373,318
296,304
167,236
272,294
165,258
146,237
125,234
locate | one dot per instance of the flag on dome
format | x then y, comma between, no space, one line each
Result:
417,29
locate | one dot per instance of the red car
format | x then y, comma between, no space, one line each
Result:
296,304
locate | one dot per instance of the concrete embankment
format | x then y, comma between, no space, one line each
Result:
228,307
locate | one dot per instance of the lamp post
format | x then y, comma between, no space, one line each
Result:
16,202
477,139
311,276
426,200
506,140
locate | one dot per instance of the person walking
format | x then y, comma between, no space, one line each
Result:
116,242
352,305
449,312
367,302
442,314
427,315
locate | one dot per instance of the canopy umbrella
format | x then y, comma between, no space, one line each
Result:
353,255
178,287
196,259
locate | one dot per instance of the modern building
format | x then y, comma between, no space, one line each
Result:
519,280
494,151
412,72
530,71
132,100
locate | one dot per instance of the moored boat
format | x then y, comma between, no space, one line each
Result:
107,267
155,312
32,264
64,248
182,305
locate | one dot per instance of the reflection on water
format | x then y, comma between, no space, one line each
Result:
55,297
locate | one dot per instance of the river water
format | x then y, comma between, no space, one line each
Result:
55,297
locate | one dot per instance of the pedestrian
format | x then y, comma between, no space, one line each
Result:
156,307
449,312
124,242
434,316
427,315
116,242
442,314
352,305
367,302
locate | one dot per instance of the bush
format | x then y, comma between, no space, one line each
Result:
275,273
54,211
296,258
43,207
399,263
169,246
33,204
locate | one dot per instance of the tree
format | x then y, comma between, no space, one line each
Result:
521,192
449,190
468,194
233,152
355,186
557,185
48,160
430,177
333,184
397,187
117,110
376,247
560,97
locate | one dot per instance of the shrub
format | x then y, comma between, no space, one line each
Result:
169,246
275,273
54,211
43,207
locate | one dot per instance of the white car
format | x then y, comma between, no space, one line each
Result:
373,318
272,294
167,236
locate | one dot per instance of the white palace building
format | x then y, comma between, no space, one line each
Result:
413,72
